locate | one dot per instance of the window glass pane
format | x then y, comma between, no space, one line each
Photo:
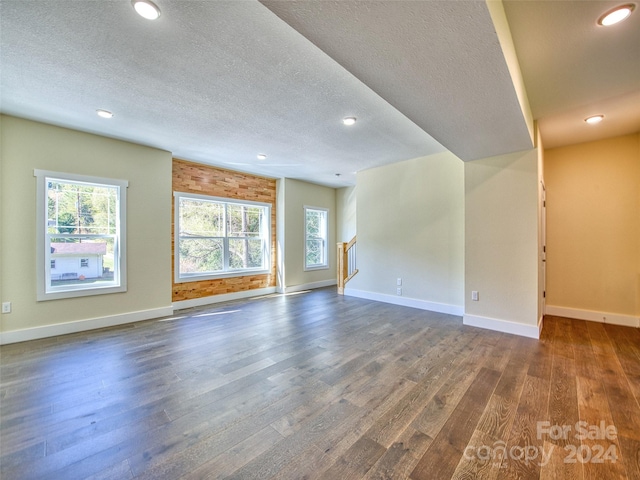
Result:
215,237
313,222
243,220
315,252
81,262
81,235
245,253
201,218
77,208
201,255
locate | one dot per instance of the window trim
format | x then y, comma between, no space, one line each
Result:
43,253
325,265
266,269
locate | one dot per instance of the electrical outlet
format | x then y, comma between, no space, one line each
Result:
6,307
398,291
399,282
474,295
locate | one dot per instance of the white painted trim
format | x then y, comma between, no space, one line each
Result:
224,297
45,331
308,286
505,326
593,316
406,302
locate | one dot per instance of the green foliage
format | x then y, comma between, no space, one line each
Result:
315,226
66,223
204,225
92,208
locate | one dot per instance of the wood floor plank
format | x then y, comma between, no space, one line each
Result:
356,461
524,432
595,411
437,412
442,457
480,459
626,413
318,385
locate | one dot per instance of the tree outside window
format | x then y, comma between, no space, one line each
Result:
81,224
315,238
220,237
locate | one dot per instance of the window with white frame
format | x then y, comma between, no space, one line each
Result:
220,237
315,238
80,235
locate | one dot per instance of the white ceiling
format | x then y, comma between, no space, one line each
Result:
573,68
220,81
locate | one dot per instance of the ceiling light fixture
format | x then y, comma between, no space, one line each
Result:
349,120
593,119
262,156
616,15
146,9
104,113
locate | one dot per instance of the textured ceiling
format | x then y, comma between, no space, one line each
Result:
216,82
440,63
574,68
220,81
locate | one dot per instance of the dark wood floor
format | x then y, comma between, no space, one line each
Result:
317,385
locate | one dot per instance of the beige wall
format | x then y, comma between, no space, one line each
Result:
593,226
410,225
345,214
29,145
295,195
501,246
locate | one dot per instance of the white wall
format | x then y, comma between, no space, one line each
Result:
29,145
295,195
501,242
346,227
410,225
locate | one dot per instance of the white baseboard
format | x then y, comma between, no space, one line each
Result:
406,302
307,286
593,316
224,297
505,326
35,333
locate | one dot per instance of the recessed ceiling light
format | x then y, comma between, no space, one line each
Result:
146,9
262,156
616,15
104,113
349,120
594,119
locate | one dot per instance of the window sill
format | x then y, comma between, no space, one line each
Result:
80,292
320,267
242,273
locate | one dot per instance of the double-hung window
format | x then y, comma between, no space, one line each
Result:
220,237
315,238
80,235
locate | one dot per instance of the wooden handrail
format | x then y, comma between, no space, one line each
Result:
346,263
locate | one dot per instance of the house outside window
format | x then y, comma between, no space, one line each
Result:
80,235
220,237
316,238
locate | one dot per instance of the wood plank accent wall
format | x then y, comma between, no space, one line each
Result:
189,177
